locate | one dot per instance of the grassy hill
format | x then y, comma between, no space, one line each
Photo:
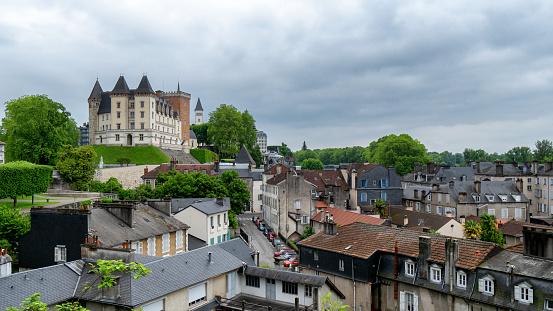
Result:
139,155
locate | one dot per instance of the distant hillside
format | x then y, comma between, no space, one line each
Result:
139,155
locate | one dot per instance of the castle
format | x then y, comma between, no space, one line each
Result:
139,117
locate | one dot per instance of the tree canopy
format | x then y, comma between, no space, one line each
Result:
489,231
35,128
400,151
23,178
201,131
229,129
518,154
312,164
75,165
543,151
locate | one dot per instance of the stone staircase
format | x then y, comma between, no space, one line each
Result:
181,156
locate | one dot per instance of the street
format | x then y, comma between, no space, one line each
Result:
259,241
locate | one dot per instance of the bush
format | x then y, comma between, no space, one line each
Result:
106,200
85,202
24,178
227,160
204,155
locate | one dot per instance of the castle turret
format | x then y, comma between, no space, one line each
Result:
93,105
199,113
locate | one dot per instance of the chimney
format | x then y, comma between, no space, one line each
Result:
430,167
330,226
353,179
520,185
95,251
391,173
449,214
209,257
173,162
537,242
418,168
535,166
217,165
462,196
477,167
423,194
467,163
323,215
249,166
462,219
124,212
220,201
425,251
548,165
416,194
405,220
435,187
5,263
451,258
499,169
146,170
452,183
278,169
478,186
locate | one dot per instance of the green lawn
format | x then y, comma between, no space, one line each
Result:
25,204
139,155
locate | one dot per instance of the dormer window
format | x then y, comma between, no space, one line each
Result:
435,274
524,293
503,197
490,197
409,268
486,285
461,279
476,198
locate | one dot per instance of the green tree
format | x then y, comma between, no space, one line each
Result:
284,150
381,207
311,164
201,131
248,132
301,155
225,129
400,151
474,155
331,305
490,232
23,178
75,165
236,189
543,151
518,154
256,155
307,232
471,229
35,129
13,224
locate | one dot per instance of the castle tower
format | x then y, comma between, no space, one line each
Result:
199,113
93,105
181,103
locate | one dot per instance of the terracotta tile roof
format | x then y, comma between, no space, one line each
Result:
321,204
367,239
417,220
362,168
343,218
517,248
319,178
514,228
165,167
273,169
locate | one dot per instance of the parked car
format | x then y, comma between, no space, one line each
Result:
271,236
281,252
276,241
288,255
261,226
291,261
267,230
254,218
257,221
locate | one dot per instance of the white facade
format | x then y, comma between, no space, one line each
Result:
212,228
262,141
2,152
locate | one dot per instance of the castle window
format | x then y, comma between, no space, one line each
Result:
118,104
118,114
116,137
141,104
141,137
132,114
142,126
132,125
118,126
142,114
131,105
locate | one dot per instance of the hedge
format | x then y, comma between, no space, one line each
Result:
203,155
24,178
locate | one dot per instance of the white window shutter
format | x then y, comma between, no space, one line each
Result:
481,285
493,287
517,292
530,295
401,301
416,302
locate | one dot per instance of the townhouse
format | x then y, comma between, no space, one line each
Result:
408,219
342,218
370,181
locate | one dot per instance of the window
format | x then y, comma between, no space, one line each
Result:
132,125
485,285
304,220
384,196
529,179
529,188
363,197
341,265
252,281
435,274
298,205
491,211
461,279
524,293
290,288
428,208
142,114
152,246
548,304
141,137
196,294
165,245
418,206
490,198
447,197
60,253
118,104
430,197
383,183
409,268
116,137
118,114
179,239
316,254
259,197
438,210
408,301
440,197
131,105
363,183
118,126
141,126
504,213
518,212
138,247
141,104
308,291
374,183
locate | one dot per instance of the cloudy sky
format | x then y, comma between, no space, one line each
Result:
452,74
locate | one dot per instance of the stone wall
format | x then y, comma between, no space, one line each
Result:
129,176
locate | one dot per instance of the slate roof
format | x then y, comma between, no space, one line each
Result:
494,188
173,273
149,222
245,172
144,86
105,103
319,178
192,135
194,242
55,283
524,265
286,276
416,220
244,156
198,105
366,239
121,86
166,167
508,170
409,192
514,228
453,173
96,91
361,168
207,206
343,218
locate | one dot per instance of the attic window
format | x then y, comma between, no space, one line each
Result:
490,198
503,197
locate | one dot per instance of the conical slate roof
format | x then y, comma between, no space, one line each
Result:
199,106
96,91
144,86
121,86
244,156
